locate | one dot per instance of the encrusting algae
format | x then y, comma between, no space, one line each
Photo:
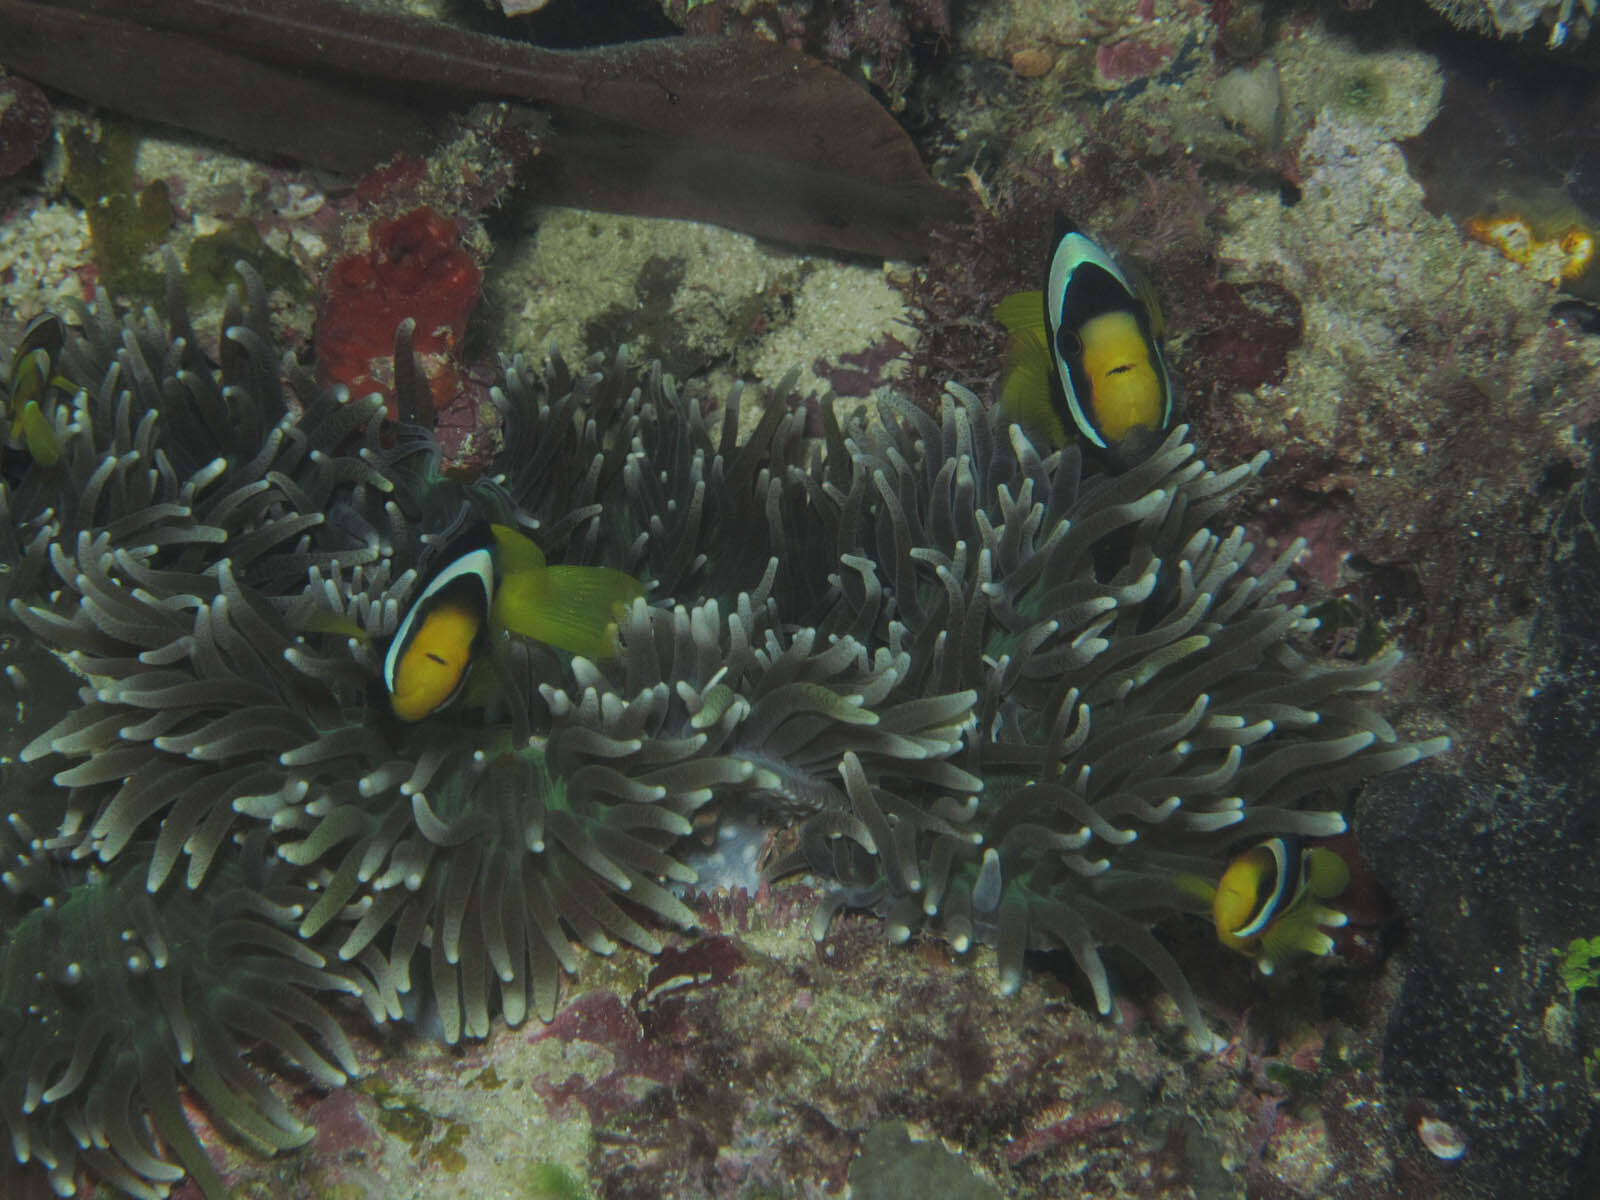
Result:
997,696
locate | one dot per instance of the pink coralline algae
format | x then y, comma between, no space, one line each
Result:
859,372
24,124
1241,339
706,963
1131,59
602,1019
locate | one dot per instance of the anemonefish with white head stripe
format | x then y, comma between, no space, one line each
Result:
1268,903
498,580
1085,358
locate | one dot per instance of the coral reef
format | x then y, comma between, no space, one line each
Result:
1512,161
713,305
1299,183
1565,19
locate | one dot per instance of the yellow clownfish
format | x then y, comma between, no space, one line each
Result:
1085,354
500,584
1267,905
35,389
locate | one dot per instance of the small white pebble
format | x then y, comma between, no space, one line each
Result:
1442,1139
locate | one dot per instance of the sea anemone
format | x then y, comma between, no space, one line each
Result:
1142,706
113,995
997,696
218,557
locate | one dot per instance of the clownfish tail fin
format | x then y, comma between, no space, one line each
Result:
571,608
1327,874
1025,386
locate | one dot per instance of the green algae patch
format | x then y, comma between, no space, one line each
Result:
487,1080
212,259
126,222
1580,964
1361,92
446,1152
339,1191
433,1140
552,1181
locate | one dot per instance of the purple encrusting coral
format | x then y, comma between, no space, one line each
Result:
24,123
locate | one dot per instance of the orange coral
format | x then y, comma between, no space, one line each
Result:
1563,257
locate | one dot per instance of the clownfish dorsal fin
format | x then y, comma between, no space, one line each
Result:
1144,289
516,551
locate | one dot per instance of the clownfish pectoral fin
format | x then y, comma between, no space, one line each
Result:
38,435
1198,887
1026,382
1298,931
487,682
336,624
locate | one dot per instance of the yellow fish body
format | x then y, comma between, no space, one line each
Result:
34,390
501,585
1085,357
1268,903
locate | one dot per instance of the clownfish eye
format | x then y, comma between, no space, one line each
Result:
1068,343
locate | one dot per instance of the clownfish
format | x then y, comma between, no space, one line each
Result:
1085,354
34,390
500,583
1267,905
